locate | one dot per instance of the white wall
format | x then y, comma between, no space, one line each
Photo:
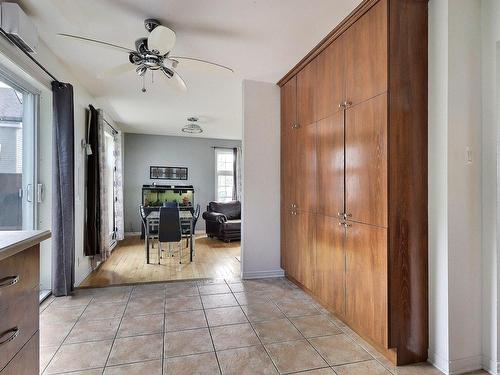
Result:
261,180
13,57
438,184
456,192
490,118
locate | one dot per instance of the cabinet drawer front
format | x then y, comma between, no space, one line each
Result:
17,324
26,362
19,274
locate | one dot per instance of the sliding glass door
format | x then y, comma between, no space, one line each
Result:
18,190
109,180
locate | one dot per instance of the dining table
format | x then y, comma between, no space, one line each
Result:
185,218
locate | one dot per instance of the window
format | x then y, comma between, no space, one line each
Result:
224,180
17,157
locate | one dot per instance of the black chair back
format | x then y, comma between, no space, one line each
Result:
143,215
196,215
171,204
170,225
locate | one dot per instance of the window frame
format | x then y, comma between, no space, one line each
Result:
225,151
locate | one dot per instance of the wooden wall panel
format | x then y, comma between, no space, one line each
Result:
306,169
330,87
330,151
330,263
366,281
367,55
366,162
306,93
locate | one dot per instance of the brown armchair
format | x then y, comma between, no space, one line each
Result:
223,220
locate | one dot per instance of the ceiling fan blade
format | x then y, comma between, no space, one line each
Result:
180,83
161,40
117,70
99,42
200,61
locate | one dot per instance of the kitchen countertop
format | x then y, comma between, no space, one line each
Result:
13,242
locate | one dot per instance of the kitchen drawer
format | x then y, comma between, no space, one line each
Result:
26,362
19,274
18,322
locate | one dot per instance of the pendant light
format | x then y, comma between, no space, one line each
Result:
192,127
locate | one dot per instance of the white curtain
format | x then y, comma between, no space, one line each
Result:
103,215
118,186
238,174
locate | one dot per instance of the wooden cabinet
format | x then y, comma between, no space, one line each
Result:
330,263
330,165
19,301
306,89
366,161
367,55
354,166
366,280
330,87
305,168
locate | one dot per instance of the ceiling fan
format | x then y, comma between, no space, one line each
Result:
151,53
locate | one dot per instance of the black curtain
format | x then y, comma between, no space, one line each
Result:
63,190
92,189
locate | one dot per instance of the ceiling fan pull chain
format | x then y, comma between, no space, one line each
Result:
143,83
152,77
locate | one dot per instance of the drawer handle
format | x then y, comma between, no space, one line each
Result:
10,335
8,281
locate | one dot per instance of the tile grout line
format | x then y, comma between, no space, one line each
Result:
164,329
258,337
116,333
209,331
65,337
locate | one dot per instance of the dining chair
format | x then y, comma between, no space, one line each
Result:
153,232
186,229
169,230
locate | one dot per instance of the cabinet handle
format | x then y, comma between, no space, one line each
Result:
347,104
348,215
341,223
347,225
9,281
341,105
341,215
9,335
295,126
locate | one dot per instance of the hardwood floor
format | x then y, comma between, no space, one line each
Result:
213,259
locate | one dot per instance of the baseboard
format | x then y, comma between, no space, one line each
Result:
263,274
464,365
457,366
491,366
439,362
84,276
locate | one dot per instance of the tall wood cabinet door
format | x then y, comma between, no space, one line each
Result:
330,86
306,168
367,55
306,90
330,155
288,162
305,242
289,104
330,263
366,281
366,162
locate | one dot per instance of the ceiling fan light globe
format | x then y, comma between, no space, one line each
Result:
161,40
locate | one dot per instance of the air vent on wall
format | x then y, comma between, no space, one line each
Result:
18,27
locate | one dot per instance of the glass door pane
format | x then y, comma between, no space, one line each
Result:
17,158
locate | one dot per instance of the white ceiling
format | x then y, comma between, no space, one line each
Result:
260,39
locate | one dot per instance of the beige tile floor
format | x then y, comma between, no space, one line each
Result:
203,327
